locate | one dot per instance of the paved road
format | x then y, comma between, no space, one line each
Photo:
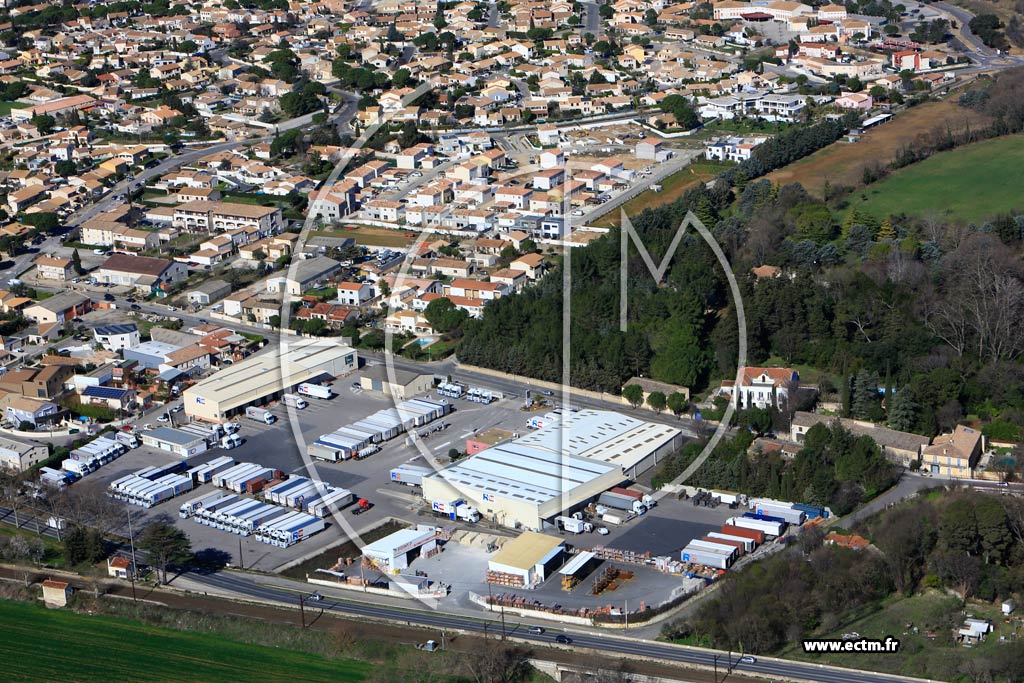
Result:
244,585
342,116
661,172
591,18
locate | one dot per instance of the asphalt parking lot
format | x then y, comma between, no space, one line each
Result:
276,446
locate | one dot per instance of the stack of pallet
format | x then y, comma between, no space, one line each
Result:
504,579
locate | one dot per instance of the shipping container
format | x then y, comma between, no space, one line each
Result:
740,546
730,550
769,518
756,535
748,543
784,511
812,511
769,527
299,530
710,558
274,494
727,497
296,497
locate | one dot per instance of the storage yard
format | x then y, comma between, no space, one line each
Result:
540,507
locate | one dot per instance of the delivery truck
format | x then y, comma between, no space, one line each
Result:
190,507
314,390
128,439
456,509
333,500
619,501
574,526
230,441
294,401
260,415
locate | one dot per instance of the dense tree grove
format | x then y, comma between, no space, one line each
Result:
833,469
970,544
922,308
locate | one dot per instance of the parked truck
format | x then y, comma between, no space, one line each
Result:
260,415
573,525
410,475
335,499
190,507
230,441
129,439
456,509
301,528
294,401
619,501
644,498
314,390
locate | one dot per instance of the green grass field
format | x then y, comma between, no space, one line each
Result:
56,645
6,107
971,183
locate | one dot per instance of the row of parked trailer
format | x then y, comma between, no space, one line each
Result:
268,523
767,519
152,485
363,437
86,459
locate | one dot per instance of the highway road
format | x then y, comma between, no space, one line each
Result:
246,586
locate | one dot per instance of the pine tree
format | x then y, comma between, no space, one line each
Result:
865,393
903,411
852,218
76,262
886,231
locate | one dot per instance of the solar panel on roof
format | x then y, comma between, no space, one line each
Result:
104,392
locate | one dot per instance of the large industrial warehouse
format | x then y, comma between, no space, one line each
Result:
262,378
531,480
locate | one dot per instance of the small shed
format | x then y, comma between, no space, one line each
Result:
56,593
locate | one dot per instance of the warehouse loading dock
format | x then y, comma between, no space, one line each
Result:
395,552
266,377
525,562
529,481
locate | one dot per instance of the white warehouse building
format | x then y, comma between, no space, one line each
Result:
529,481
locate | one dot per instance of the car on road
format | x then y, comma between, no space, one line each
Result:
603,531
130,300
136,307
164,418
147,426
563,639
547,392
77,320
108,297
358,511
171,308
535,629
577,212
747,659
100,252
177,409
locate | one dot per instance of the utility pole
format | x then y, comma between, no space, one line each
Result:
131,541
241,558
302,613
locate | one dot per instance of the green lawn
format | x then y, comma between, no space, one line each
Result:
6,107
56,645
971,183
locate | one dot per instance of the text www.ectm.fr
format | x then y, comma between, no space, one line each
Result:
831,645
